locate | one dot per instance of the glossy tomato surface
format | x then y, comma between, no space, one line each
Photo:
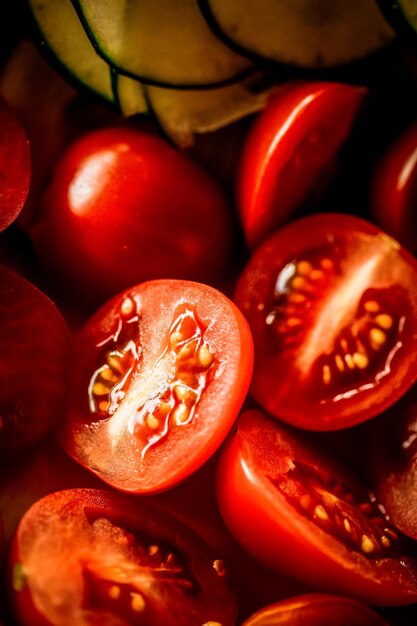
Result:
125,563
332,305
34,357
124,206
316,609
158,377
298,510
15,165
292,145
394,189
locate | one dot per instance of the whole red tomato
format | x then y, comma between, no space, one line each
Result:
124,206
15,166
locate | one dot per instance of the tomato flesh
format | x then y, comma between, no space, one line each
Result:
292,143
35,346
331,303
316,609
126,563
156,389
299,511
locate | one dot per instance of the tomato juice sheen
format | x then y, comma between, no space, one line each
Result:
257,269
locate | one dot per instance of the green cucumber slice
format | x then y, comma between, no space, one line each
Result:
160,42
64,36
181,114
304,33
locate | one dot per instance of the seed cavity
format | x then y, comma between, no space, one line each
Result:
192,363
352,517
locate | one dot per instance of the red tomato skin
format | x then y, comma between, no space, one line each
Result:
114,457
214,594
284,541
35,351
394,189
292,143
15,165
277,383
316,609
124,206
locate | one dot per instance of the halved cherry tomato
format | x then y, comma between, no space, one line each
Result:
91,557
158,377
332,304
292,144
123,206
316,609
392,451
297,510
15,166
394,189
34,357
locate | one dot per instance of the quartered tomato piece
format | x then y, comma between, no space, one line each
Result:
34,354
291,147
91,557
332,304
316,609
392,443
394,189
159,375
296,509
15,166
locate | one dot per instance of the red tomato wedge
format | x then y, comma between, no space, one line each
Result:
300,511
91,557
394,189
332,305
316,609
158,377
122,207
392,445
15,165
34,355
292,144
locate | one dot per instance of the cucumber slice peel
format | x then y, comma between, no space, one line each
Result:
70,46
160,42
303,33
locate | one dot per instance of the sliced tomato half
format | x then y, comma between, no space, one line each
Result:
91,557
290,150
332,304
158,378
298,510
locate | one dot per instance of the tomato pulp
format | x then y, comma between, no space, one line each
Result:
332,305
159,375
